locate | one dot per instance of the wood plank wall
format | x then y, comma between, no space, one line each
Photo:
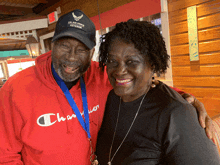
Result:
201,78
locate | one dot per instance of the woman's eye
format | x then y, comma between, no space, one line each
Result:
111,61
132,62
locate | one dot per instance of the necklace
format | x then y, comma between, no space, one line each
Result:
110,159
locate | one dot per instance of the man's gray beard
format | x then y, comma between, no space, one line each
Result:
60,74
63,78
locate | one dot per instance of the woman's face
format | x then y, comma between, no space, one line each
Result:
128,72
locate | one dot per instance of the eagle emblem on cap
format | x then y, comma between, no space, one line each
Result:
77,18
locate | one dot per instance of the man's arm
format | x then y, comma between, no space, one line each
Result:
10,146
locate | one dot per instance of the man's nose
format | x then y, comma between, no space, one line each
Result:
72,54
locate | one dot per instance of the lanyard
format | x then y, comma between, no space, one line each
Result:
60,82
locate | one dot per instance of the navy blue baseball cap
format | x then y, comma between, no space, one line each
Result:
77,25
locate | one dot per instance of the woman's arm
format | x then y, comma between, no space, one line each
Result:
204,119
185,140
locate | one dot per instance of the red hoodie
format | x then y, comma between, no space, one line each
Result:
37,121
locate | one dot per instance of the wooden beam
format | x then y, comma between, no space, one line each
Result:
31,2
43,6
11,10
23,26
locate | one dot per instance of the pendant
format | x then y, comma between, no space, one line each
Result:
109,163
95,162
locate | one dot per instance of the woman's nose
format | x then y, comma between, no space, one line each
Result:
121,69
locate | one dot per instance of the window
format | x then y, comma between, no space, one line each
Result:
16,67
2,74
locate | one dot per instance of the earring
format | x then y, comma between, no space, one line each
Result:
153,85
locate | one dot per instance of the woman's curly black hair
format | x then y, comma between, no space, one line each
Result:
146,38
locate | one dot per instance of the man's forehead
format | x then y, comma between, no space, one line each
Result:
69,39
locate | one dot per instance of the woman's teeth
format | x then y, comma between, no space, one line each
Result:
123,81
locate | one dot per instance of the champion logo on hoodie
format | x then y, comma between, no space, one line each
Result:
45,120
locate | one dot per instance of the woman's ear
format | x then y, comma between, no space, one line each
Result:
152,73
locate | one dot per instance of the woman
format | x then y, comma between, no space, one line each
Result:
145,125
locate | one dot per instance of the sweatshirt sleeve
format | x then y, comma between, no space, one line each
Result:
185,141
178,90
10,128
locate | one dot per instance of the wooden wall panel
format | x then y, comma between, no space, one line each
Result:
209,46
210,7
209,34
207,70
179,39
174,5
203,92
203,35
212,58
208,21
201,78
203,22
197,81
179,27
212,104
207,8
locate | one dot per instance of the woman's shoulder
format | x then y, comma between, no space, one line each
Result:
167,95
171,101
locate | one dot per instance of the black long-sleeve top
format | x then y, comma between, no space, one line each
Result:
166,131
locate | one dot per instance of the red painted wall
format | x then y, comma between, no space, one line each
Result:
135,10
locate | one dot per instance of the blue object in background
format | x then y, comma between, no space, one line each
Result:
13,53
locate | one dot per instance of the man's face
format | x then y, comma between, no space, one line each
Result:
70,58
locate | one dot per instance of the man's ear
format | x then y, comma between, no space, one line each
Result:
52,44
92,52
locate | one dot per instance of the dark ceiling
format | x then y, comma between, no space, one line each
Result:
12,10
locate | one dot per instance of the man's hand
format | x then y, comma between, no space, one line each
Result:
204,119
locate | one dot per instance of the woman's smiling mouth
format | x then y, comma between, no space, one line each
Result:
123,81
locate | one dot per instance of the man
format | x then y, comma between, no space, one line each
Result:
51,113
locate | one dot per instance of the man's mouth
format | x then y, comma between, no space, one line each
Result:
69,69
123,81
